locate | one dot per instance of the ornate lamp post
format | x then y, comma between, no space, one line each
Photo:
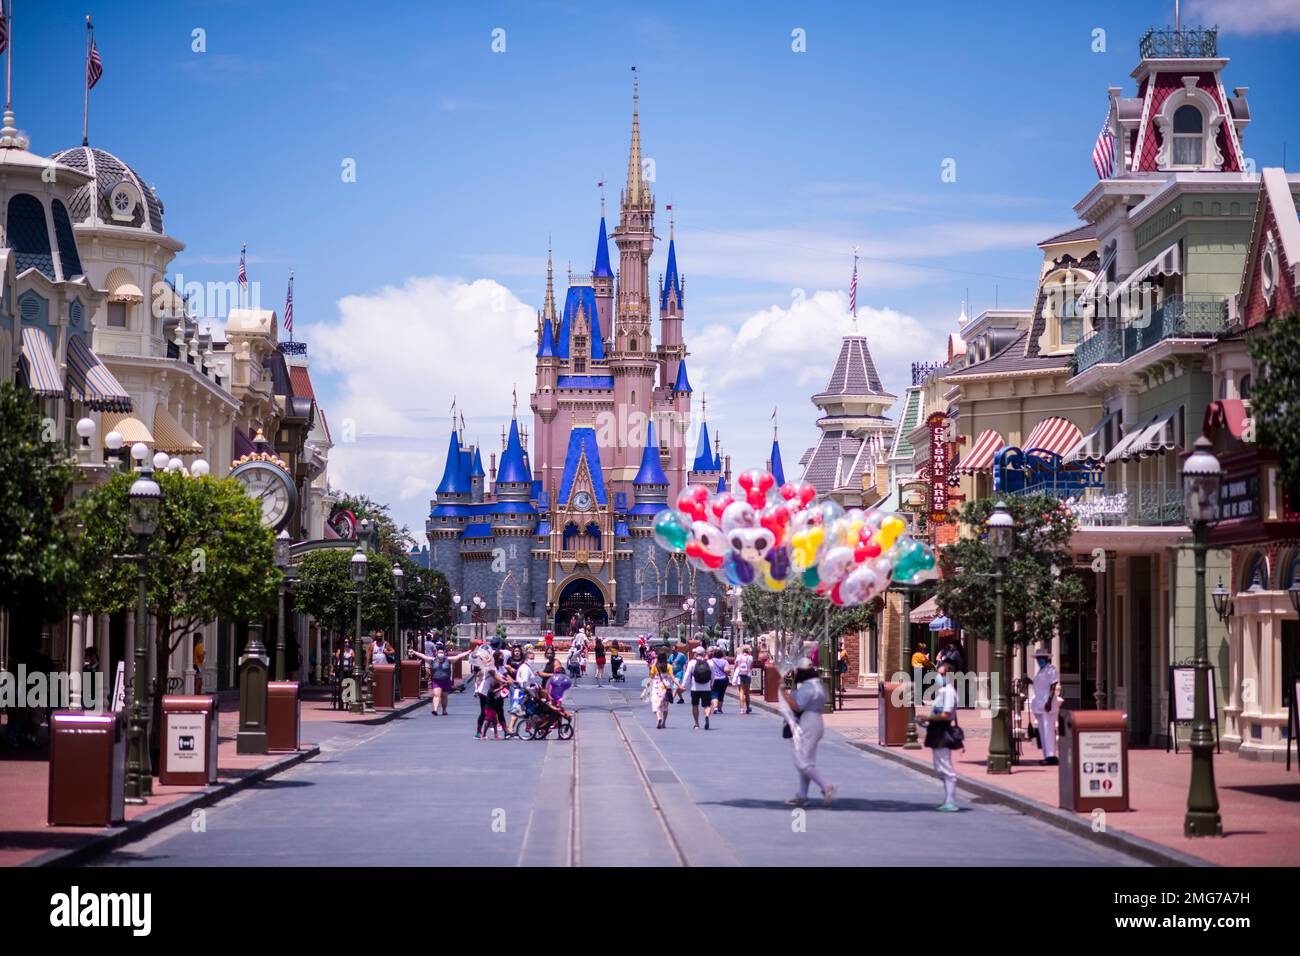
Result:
145,500
113,441
905,665
1002,532
1201,479
1223,602
399,585
281,562
359,567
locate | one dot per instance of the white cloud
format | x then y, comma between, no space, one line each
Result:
780,356
1240,16
401,354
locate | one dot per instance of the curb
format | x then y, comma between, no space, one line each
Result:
403,707
1134,846
118,836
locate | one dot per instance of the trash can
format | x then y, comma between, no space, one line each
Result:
771,683
409,686
385,690
1094,761
892,713
283,715
87,769
189,744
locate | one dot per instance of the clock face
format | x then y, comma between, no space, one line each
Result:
582,500
271,488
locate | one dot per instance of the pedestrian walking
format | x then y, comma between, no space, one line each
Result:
921,658
700,684
943,735
599,649
662,685
199,656
492,683
641,647
802,710
1043,705
678,660
440,672
721,669
742,674
525,683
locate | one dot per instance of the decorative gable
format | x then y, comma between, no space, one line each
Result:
1269,281
1167,140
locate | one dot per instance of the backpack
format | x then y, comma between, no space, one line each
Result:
702,673
440,669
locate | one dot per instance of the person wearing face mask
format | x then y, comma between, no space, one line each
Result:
943,735
1043,704
802,710
440,675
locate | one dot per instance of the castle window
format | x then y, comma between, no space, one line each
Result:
1189,142
631,344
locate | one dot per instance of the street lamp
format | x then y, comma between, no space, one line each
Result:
145,508
1002,533
912,742
281,562
199,468
113,441
1201,479
1223,606
399,584
359,567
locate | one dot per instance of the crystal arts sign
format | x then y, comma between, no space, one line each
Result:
938,425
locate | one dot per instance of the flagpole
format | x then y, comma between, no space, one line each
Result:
85,106
9,54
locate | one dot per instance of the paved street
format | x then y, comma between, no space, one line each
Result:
422,791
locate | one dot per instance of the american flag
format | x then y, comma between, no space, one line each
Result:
94,66
288,309
853,286
4,27
1103,154
243,274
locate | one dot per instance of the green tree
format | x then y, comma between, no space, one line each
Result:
800,612
1275,353
210,558
1042,594
37,560
325,591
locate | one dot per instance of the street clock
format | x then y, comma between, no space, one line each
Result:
266,479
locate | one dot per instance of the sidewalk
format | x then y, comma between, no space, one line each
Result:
24,781
1258,802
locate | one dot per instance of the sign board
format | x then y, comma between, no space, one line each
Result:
1239,496
1100,761
1182,701
938,425
187,743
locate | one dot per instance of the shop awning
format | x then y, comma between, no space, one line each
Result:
126,292
981,453
1168,263
130,428
1092,446
1153,436
90,381
941,623
1057,435
171,436
38,365
1229,413
241,444
1094,284
925,612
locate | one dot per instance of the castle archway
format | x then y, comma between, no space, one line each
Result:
583,598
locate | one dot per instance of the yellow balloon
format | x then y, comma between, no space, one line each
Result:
889,531
772,583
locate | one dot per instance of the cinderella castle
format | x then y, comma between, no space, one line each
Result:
564,529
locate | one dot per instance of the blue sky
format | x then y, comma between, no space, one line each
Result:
418,280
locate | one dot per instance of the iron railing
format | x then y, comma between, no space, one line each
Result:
1177,317
1161,506
1193,43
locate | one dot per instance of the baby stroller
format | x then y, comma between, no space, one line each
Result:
616,671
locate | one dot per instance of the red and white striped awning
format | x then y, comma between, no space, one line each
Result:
1056,435
981,454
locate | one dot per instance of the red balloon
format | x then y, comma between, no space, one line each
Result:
692,502
720,503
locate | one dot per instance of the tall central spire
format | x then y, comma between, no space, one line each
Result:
548,307
635,182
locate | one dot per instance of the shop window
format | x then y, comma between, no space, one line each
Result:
117,315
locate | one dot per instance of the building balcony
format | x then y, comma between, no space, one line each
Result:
1177,317
1193,44
1099,508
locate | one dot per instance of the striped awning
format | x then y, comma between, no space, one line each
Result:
39,367
1057,435
90,381
130,428
981,454
1090,290
171,435
1153,436
1168,263
1092,446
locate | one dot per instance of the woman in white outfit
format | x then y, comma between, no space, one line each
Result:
942,735
802,710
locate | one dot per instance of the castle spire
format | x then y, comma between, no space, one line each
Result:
548,307
602,268
635,180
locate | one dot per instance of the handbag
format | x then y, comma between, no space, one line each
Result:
954,738
786,732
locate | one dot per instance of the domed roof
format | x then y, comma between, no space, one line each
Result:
117,195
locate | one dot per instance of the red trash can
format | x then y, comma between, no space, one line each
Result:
283,716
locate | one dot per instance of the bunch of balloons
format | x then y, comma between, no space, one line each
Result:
768,535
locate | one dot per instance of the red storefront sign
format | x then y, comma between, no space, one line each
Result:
938,425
